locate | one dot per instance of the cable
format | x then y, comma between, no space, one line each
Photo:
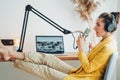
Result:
73,41
80,32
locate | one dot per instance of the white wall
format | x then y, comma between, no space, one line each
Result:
118,38
60,11
118,31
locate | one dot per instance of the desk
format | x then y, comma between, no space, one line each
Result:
70,56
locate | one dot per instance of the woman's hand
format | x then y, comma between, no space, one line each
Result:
80,43
91,45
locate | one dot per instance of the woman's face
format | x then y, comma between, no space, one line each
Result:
99,28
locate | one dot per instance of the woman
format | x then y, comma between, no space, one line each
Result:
93,65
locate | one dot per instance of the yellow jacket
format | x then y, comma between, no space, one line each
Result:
93,66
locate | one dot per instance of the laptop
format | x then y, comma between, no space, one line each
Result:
50,44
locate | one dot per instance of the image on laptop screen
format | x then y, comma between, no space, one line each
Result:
50,44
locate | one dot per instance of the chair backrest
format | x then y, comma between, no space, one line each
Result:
111,66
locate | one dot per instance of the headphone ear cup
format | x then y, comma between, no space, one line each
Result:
111,27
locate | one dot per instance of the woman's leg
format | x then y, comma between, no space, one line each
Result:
1,59
42,71
39,58
4,50
7,54
49,60
0,56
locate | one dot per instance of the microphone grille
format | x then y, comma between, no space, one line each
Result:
86,32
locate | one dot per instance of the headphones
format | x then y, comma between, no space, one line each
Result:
111,26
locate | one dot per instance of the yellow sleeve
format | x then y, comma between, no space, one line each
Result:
99,60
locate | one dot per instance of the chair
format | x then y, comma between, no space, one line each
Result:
111,66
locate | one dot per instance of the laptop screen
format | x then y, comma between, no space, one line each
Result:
50,44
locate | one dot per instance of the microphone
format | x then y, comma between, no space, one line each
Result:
86,32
